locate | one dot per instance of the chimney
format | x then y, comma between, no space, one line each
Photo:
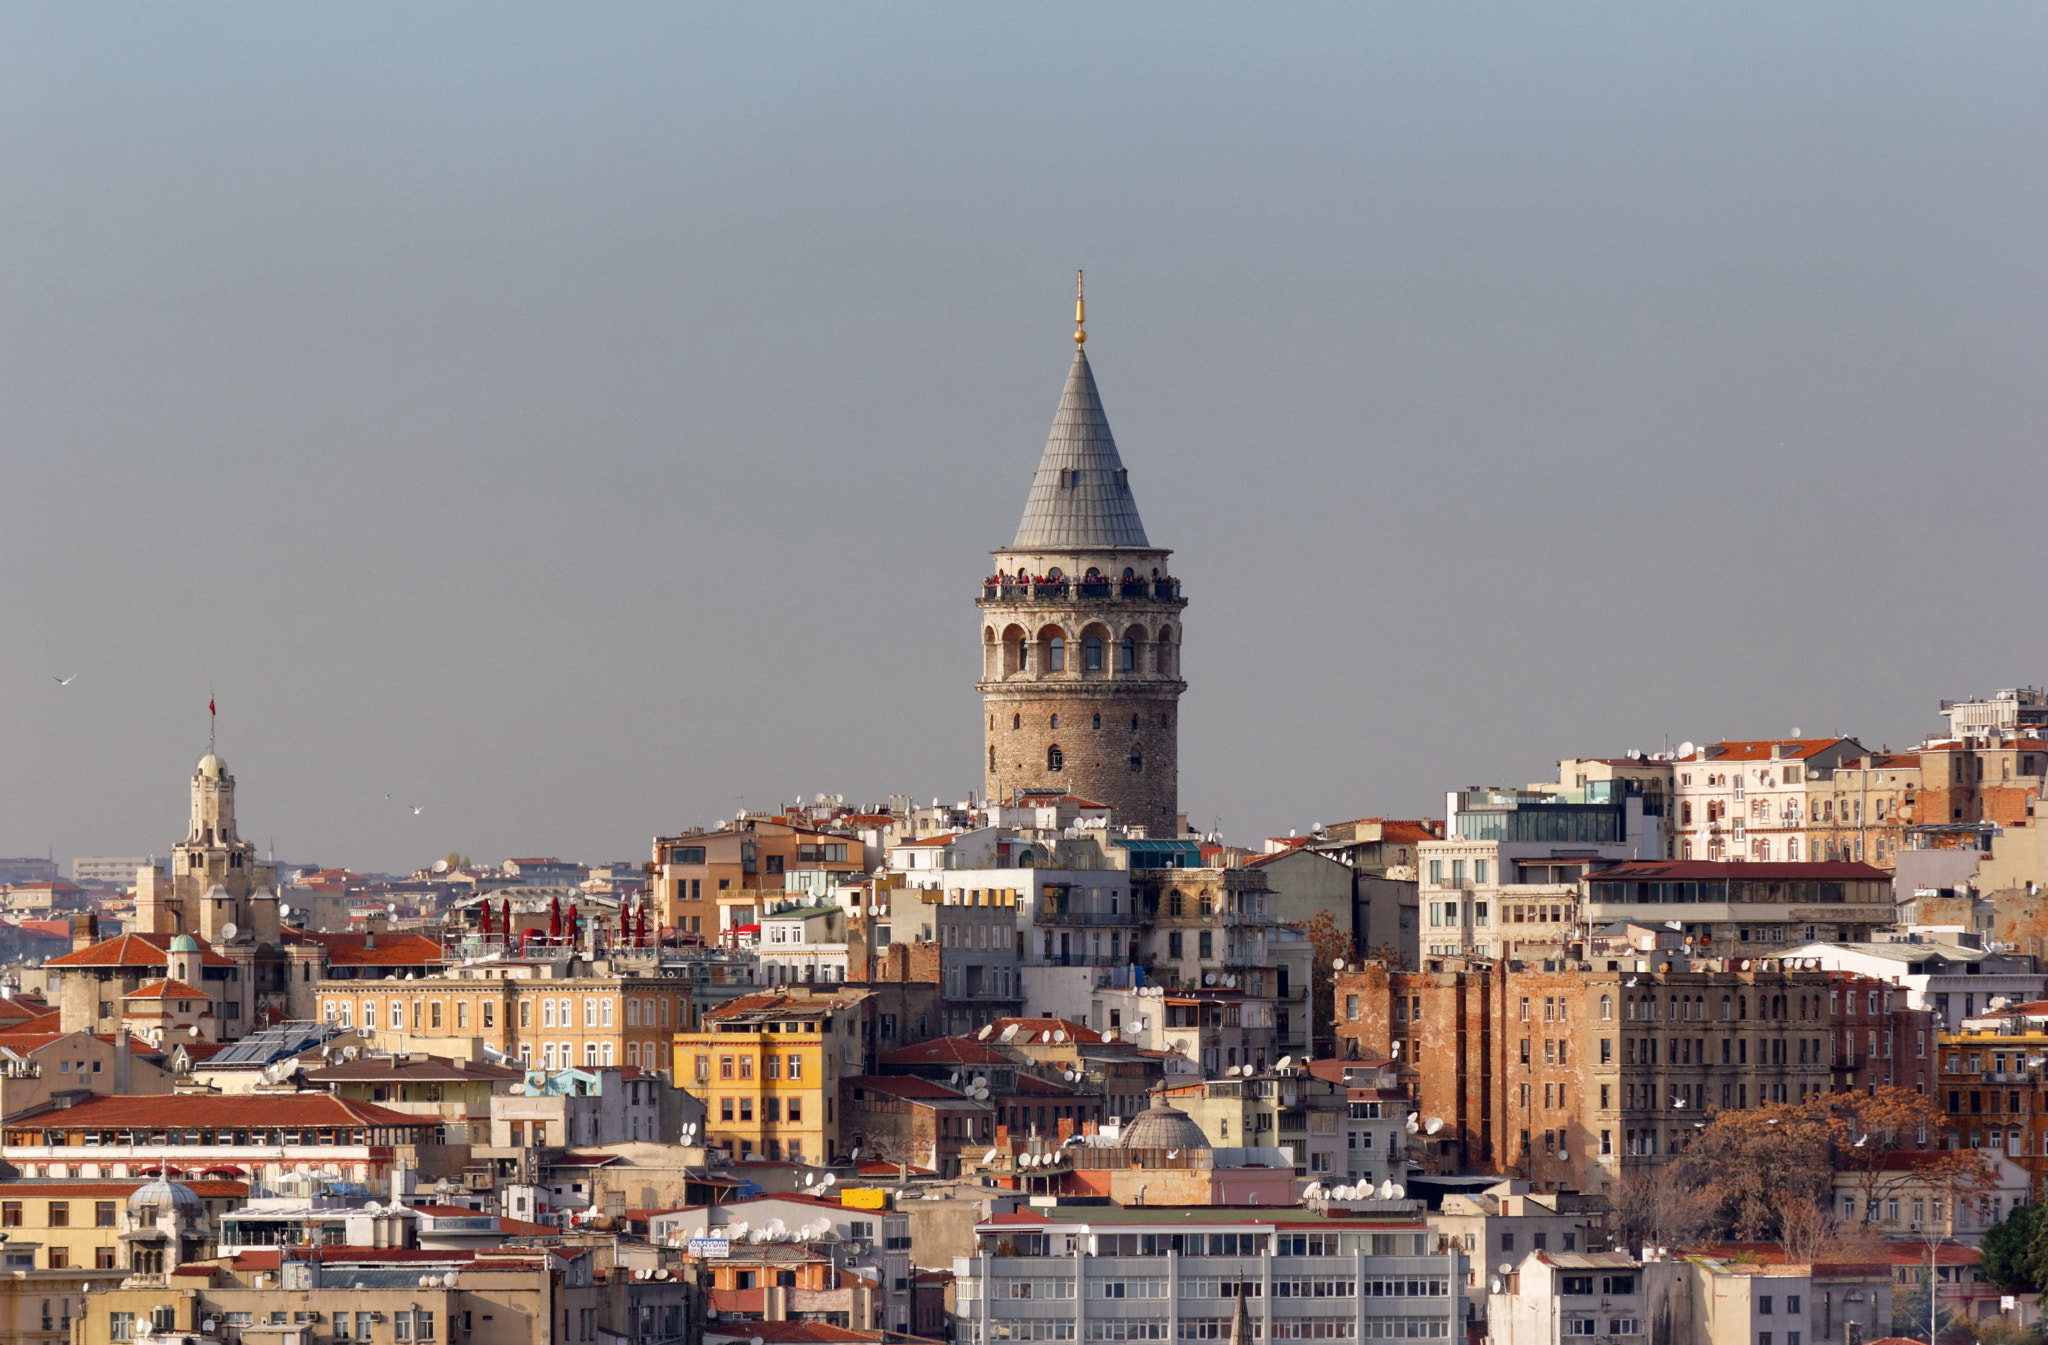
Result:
369,938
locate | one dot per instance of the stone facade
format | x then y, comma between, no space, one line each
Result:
1081,634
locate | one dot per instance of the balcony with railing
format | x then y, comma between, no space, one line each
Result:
999,588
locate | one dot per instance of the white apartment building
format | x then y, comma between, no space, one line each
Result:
1507,871
1090,1273
1759,799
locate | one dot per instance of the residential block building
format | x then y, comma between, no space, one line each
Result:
1564,1073
1145,1273
767,1068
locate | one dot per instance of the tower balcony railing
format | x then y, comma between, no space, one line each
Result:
1096,590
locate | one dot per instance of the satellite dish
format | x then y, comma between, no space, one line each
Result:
228,931
1494,1284
989,1157
1506,1268
1387,1190
983,1034
1435,1124
1337,963
830,1178
1685,749
981,1081
1208,978
283,910
1413,1124
1285,1061
192,1031
391,908
1400,1191
1109,1034
1230,979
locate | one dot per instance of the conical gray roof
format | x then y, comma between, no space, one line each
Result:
1079,498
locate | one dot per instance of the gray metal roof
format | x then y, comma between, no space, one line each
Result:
271,1045
1079,497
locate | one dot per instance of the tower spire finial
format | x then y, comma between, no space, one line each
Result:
1080,310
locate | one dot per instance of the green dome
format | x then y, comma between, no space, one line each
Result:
184,943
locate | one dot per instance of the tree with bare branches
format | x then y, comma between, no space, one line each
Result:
1773,1169
1660,1206
1330,943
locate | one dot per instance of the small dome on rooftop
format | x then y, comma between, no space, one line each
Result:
160,1193
184,943
1162,1126
212,767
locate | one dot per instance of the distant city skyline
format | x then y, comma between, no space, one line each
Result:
570,425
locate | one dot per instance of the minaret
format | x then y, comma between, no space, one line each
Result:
1081,630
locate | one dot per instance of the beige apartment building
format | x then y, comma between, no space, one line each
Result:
705,882
504,1295
1768,800
536,1013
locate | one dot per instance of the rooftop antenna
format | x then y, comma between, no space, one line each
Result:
1080,310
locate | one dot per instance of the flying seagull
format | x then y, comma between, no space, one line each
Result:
417,811
64,681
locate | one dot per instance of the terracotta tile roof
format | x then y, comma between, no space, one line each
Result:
1759,749
1031,1027
906,1086
166,990
133,950
107,1190
112,1111
945,1051
392,950
947,839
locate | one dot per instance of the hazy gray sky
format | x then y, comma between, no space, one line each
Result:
571,419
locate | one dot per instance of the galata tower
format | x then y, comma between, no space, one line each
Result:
1081,631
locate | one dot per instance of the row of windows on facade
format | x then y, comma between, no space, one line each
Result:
1449,914
1219,1328
1056,760
1053,655
1790,812
1823,850
1017,721
742,1067
406,1324
427,1014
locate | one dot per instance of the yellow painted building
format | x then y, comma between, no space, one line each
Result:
767,1068
544,1022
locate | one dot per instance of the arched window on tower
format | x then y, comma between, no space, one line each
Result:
1098,722
1055,721
1134,723
1054,758
1056,655
1128,660
991,758
1137,760
1091,654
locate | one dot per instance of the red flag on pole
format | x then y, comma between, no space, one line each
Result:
209,706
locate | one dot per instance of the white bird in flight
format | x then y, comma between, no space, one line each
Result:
417,811
64,681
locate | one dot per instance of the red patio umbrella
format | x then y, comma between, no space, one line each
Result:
554,917
643,925
483,923
572,925
505,910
